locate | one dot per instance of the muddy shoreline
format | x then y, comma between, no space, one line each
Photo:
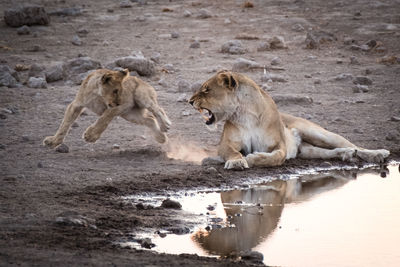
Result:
65,208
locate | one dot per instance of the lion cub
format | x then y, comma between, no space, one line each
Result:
113,93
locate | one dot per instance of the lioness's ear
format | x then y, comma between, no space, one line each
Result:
125,72
227,79
106,78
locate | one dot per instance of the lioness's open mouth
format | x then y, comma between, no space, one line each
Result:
207,115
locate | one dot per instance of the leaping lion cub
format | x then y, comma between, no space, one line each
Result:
114,93
257,134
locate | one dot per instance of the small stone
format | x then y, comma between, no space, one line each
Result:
275,61
348,41
55,73
175,35
395,118
76,40
27,15
125,4
242,64
7,79
342,77
354,60
233,47
264,46
358,131
212,170
186,113
183,86
363,80
155,57
182,98
110,10
140,64
195,44
392,136
277,42
308,76
2,146
82,32
162,82
368,71
37,71
171,204
227,21
40,165
298,28
204,14
24,30
187,13
169,68
116,146
63,148
358,88
75,125
3,116
25,138
36,48
315,38
274,77
34,82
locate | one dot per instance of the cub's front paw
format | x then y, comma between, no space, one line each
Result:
90,135
51,141
165,125
236,164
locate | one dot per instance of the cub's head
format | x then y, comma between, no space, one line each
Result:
111,88
216,99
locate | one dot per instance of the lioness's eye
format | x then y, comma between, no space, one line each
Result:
115,91
206,90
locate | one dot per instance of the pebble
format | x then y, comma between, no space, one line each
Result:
242,64
155,57
358,131
34,82
182,98
55,73
342,77
212,170
63,148
40,165
204,14
234,47
25,138
277,42
140,64
358,88
187,13
82,32
125,4
274,77
116,146
76,40
186,113
363,80
183,86
36,48
171,204
392,136
195,44
24,30
7,79
354,60
298,28
162,82
395,118
175,35
2,146
263,46
275,61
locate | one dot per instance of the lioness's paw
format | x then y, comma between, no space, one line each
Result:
376,156
236,164
165,126
346,153
51,141
90,135
161,138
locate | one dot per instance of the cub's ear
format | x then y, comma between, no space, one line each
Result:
227,79
106,78
125,72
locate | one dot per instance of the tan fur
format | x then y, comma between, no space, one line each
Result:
113,93
257,134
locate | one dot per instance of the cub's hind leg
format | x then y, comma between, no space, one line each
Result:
71,114
143,117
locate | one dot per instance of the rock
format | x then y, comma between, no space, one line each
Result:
212,161
195,44
175,35
363,80
317,81
187,13
34,82
75,125
264,46
358,88
155,57
140,64
78,79
204,14
82,32
171,204
275,61
354,60
55,73
27,15
298,28
348,41
212,170
162,82
233,47
81,65
395,118
358,131
24,30
277,42
125,4
183,86
196,86
182,98
63,148
315,38
242,64
273,77
6,79
25,138
169,68
392,136
76,40
2,146
68,11
146,243
186,113
252,256
36,48
116,146
293,99
342,77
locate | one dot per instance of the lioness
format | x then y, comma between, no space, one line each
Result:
113,93
257,134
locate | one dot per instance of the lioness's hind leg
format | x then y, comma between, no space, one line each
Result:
141,116
377,156
160,115
72,112
308,151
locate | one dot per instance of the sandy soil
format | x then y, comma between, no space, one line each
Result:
39,185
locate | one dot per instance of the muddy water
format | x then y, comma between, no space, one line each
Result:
342,218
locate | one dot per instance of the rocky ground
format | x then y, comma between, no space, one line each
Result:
335,63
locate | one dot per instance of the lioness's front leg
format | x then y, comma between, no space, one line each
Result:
71,114
94,131
264,159
233,158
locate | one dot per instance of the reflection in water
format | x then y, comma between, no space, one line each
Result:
252,214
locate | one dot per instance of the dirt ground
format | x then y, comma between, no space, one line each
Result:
39,185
